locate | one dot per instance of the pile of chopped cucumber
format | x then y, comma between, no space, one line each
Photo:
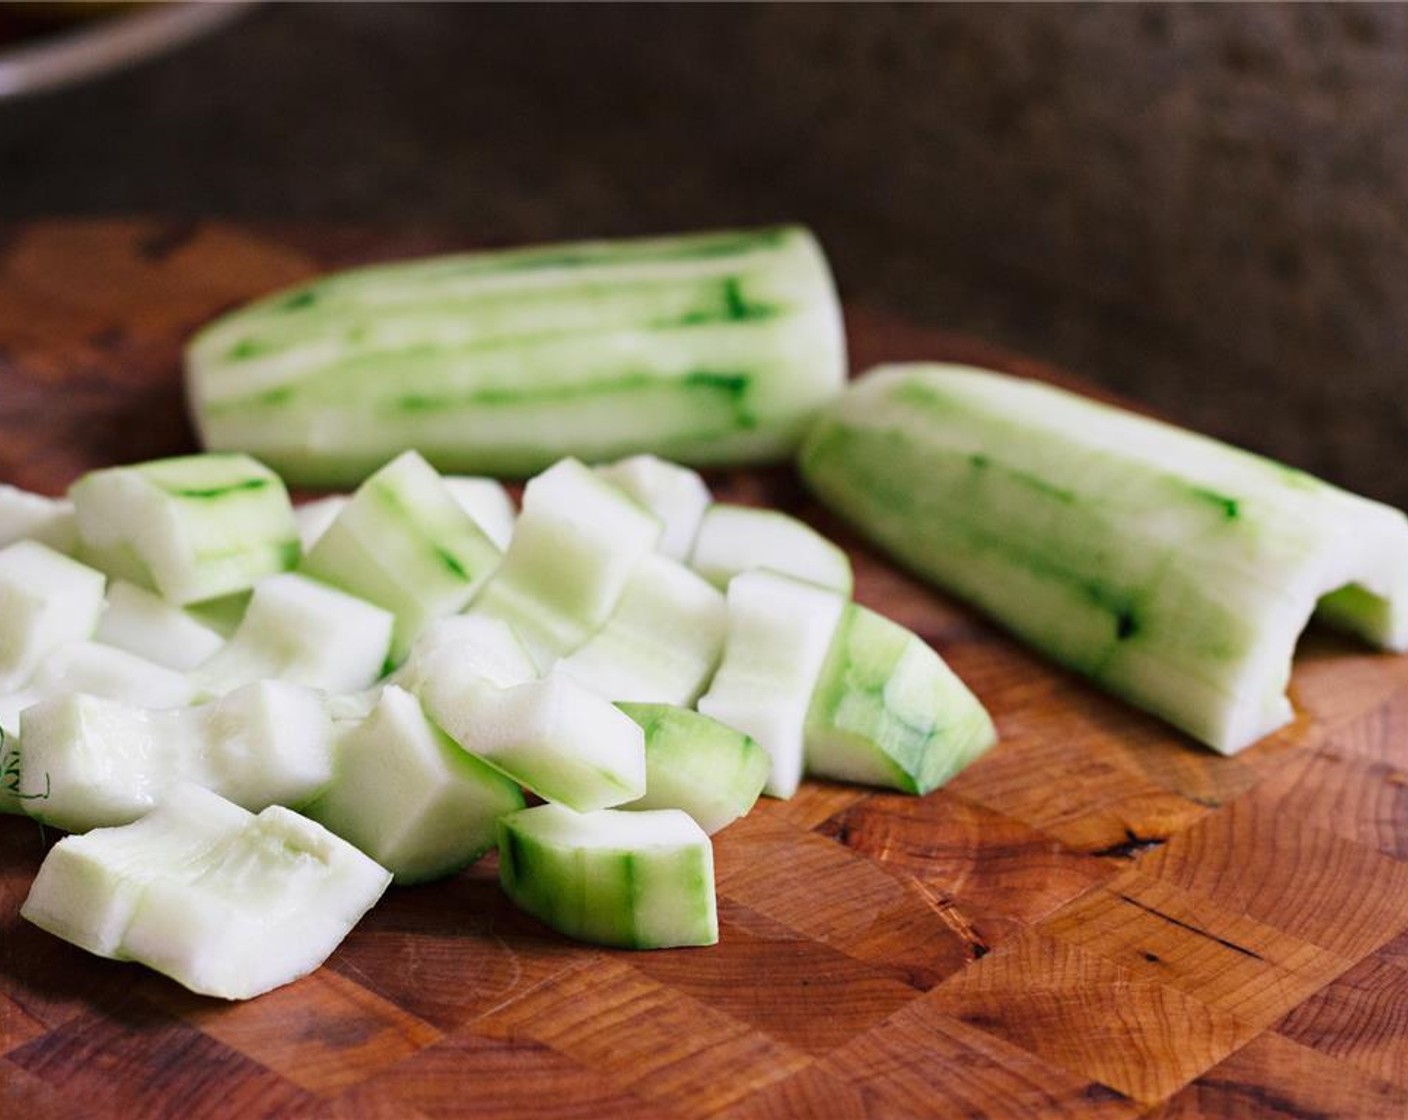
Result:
252,717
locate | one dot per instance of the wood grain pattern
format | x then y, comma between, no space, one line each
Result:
1098,919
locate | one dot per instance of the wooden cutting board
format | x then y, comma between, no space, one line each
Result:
1100,918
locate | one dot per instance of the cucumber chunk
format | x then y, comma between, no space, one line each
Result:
34,517
735,539
631,880
575,545
227,903
46,601
662,642
779,631
191,528
554,736
712,348
405,794
676,495
86,762
488,502
697,764
465,648
887,711
98,670
405,544
302,631
142,622
1172,569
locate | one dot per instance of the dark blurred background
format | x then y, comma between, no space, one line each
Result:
1202,206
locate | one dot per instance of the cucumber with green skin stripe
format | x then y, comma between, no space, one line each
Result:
1172,569
708,348
192,528
638,880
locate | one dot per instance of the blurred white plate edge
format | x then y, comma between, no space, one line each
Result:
110,43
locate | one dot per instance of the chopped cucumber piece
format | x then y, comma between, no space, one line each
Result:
192,528
662,642
632,880
224,902
303,631
676,495
488,502
887,711
575,545
46,601
554,736
779,631
462,648
713,348
142,622
405,794
1174,570
697,764
735,539
98,670
405,544
313,518
87,762
33,517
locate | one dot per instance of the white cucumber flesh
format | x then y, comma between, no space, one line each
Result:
25,516
300,630
465,647
408,796
574,547
712,348
553,736
225,902
142,622
314,517
404,543
661,643
85,762
630,880
102,671
887,710
697,764
488,502
676,495
46,600
1173,570
735,539
192,528
779,632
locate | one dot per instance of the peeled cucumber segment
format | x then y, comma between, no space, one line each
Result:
465,647
887,711
142,622
676,495
779,632
102,671
191,528
34,517
1172,569
711,348
405,544
631,880
554,736
227,903
488,502
87,762
302,631
735,539
697,764
576,543
661,643
46,601
405,794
